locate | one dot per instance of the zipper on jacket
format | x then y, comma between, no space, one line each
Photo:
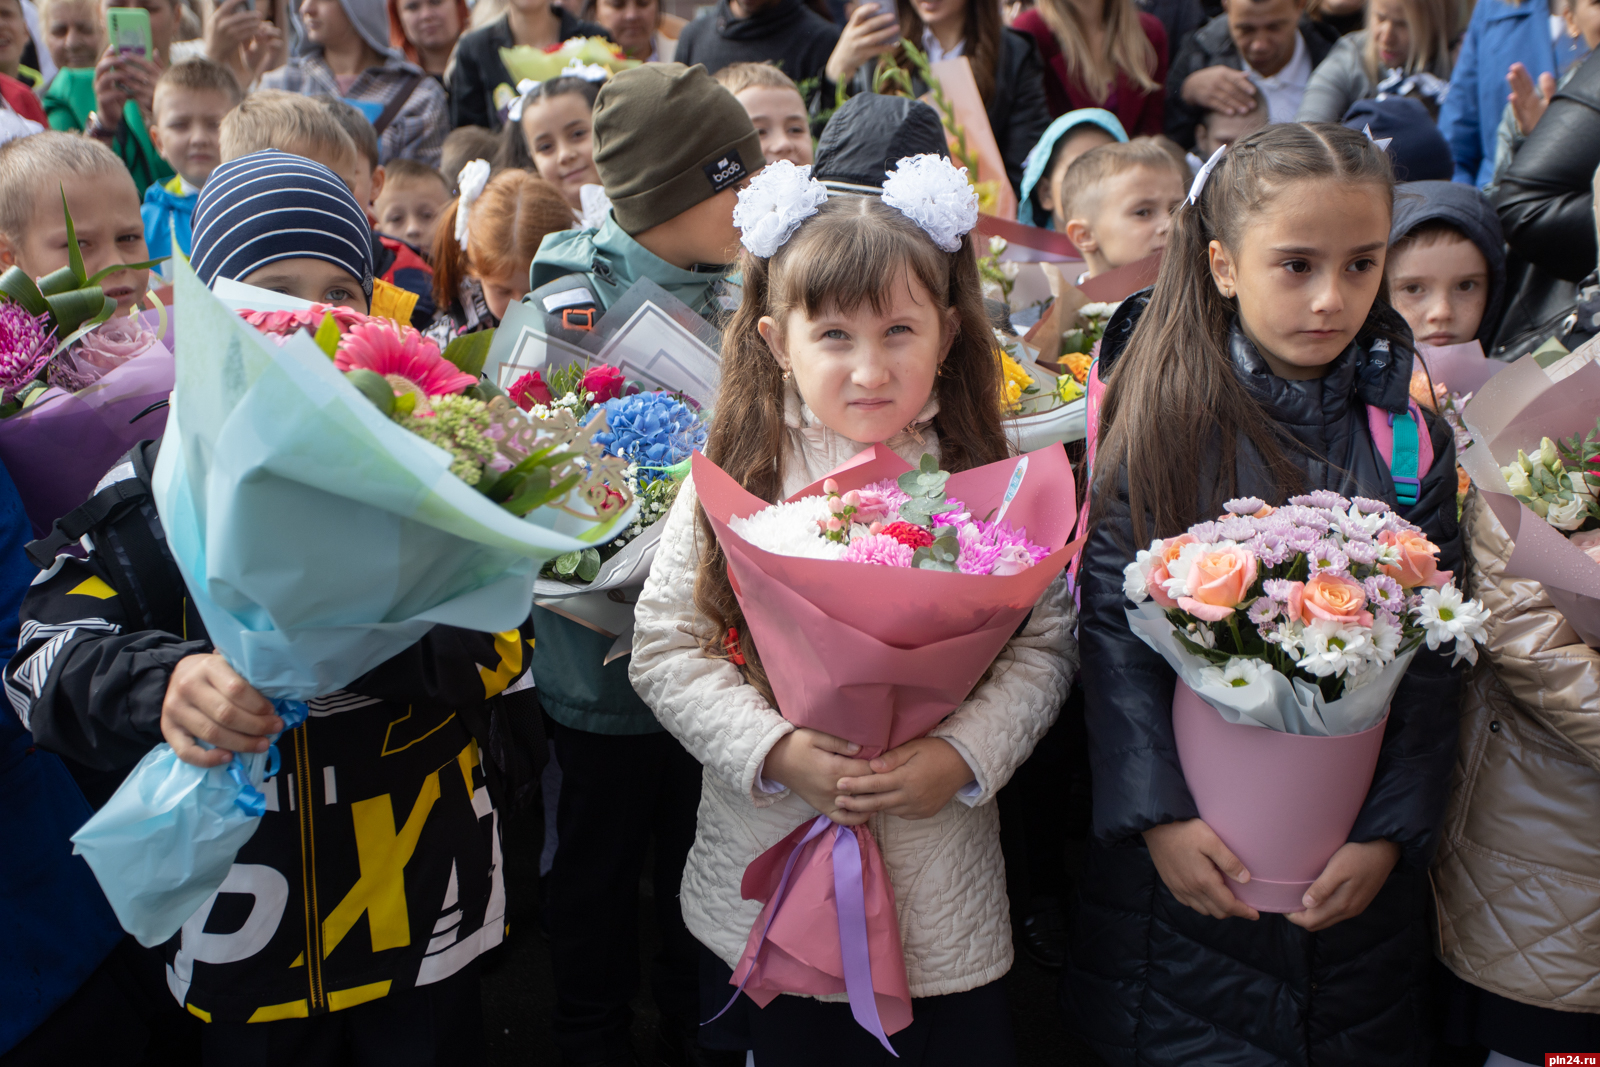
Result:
308,868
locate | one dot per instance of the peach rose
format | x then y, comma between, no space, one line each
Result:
1158,574
1295,607
1589,541
1419,563
1336,598
1218,581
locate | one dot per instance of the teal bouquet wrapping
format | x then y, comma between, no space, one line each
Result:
320,532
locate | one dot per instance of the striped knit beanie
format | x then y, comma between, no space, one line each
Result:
270,206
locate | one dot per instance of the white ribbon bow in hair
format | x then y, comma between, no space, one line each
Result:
935,194
1206,168
589,72
474,176
1382,143
774,204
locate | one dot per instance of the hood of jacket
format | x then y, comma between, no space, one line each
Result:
765,23
613,261
1465,208
370,18
870,134
1034,168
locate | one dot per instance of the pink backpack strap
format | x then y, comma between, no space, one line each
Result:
1403,442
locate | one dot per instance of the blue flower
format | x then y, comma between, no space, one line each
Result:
651,430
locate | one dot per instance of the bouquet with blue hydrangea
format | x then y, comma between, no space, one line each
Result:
653,431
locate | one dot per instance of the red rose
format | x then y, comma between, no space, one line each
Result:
529,390
604,381
913,537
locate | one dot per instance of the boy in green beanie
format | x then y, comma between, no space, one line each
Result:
673,149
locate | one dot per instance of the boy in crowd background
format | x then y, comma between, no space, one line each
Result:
190,102
413,197
1447,263
775,107
395,264
1064,140
624,780
462,146
346,54
35,172
1218,128
294,124
1116,203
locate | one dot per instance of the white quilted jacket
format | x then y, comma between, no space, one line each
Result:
947,872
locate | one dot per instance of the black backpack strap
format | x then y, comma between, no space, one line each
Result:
397,102
108,505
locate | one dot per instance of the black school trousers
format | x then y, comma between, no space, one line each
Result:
620,795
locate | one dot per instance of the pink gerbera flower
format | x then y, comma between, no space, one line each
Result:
403,357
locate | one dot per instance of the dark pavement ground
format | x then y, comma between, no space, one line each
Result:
518,992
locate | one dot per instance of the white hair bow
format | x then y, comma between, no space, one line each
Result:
589,72
1199,184
474,176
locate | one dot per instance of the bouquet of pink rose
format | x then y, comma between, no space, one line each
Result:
1301,619
1327,594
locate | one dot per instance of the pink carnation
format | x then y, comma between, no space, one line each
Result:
284,323
880,549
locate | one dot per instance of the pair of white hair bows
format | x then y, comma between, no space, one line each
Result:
927,189
589,72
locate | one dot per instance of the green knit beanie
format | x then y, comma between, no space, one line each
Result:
666,137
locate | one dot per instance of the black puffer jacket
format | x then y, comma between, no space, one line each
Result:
1546,199
1151,982
1016,108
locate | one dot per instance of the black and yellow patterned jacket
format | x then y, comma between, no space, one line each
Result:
377,866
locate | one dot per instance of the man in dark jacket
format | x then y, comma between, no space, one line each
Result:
1265,48
786,33
1152,982
351,922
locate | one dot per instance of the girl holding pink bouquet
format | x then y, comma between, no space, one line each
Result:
1269,353
862,323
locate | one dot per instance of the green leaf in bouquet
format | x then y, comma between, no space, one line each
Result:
16,286
80,307
485,390
588,564
469,351
1074,341
101,275
374,386
405,405
534,495
566,564
327,338
939,556
74,253
58,282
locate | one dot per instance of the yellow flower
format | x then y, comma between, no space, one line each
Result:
1014,379
1068,389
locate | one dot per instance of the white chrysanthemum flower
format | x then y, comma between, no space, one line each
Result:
1202,635
1287,636
1385,636
790,529
1136,575
1447,616
1372,523
936,195
1332,649
774,204
1240,671
1388,555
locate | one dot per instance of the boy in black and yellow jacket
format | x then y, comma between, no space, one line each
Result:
351,921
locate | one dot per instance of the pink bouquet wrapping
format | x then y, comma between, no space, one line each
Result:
1536,461
96,407
878,655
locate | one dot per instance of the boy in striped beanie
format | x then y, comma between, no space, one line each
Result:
282,222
